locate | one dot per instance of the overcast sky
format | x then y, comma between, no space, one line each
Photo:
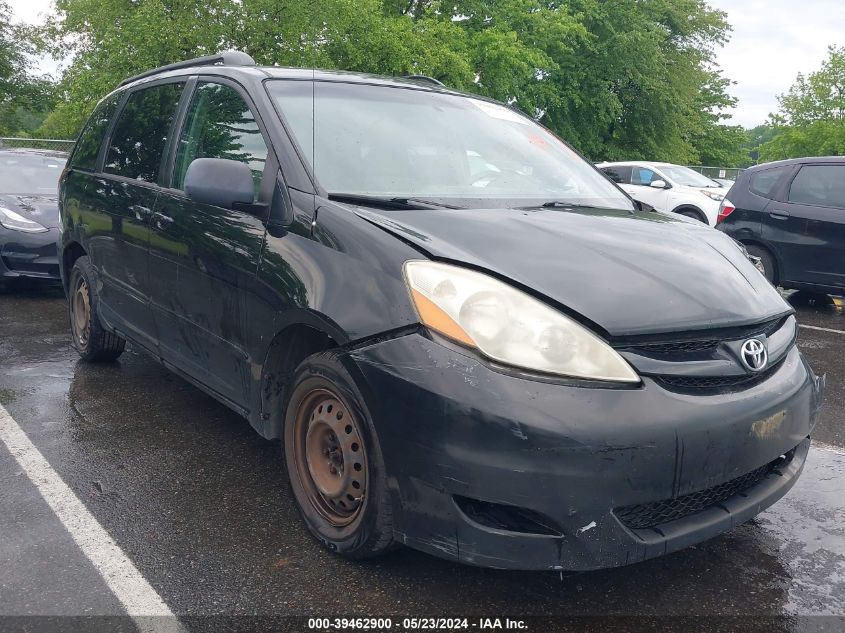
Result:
772,41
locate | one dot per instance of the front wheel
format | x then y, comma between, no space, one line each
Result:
334,461
695,215
90,339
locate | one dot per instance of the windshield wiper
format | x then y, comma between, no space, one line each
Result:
385,202
563,204
560,204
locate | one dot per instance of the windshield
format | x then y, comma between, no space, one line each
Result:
687,176
29,173
406,143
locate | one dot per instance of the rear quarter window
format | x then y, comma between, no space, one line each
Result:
88,144
764,183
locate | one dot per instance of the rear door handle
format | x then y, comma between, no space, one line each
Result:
779,214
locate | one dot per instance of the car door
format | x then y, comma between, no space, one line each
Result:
203,258
641,189
808,225
126,192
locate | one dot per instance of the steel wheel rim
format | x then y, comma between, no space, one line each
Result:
80,309
329,455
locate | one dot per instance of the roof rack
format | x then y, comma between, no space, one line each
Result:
226,58
425,79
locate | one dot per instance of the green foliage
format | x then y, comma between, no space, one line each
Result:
616,78
24,99
811,121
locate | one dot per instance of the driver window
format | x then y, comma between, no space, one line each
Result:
220,125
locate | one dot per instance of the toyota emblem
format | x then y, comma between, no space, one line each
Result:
754,355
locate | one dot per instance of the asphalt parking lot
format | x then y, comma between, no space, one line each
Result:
197,508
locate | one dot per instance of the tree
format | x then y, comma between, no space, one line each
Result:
811,118
24,99
616,78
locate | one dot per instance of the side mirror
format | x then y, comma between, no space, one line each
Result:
659,184
220,182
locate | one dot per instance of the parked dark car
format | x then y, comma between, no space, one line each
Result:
791,214
468,339
29,216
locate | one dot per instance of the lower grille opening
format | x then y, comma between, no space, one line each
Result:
650,515
505,517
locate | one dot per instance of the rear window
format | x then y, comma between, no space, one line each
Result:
141,131
89,141
819,185
763,183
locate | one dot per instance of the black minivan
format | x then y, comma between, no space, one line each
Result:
468,340
791,214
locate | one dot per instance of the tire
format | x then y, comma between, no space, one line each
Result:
93,342
766,260
334,462
692,213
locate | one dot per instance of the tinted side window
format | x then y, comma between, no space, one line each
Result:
220,125
619,174
88,144
642,176
139,137
763,183
819,185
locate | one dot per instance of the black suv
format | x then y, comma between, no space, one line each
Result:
791,214
469,340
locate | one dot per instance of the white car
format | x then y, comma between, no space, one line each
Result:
669,188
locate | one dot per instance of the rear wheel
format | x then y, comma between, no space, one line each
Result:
334,461
767,262
90,339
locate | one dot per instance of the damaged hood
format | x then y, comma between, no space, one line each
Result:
37,207
630,274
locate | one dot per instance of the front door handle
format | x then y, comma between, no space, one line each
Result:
162,221
779,214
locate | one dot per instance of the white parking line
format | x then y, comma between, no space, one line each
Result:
821,329
128,585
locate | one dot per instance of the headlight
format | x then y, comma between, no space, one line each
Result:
718,197
17,222
508,325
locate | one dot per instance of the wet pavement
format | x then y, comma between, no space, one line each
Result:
199,503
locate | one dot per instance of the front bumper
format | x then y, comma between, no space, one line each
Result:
453,428
28,255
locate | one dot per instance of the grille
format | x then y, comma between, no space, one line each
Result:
651,515
691,344
680,346
715,383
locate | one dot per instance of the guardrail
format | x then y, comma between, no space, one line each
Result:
59,145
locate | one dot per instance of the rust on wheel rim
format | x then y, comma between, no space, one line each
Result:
80,309
329,456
